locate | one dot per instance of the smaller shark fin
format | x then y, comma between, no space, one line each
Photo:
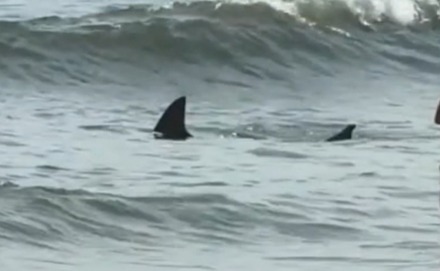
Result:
345,134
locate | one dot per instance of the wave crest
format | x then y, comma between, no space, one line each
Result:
259,40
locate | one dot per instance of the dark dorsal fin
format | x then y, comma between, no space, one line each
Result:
171,124
345,134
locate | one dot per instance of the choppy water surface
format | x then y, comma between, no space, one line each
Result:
86,187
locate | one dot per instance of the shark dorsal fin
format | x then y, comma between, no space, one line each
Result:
345,134
171,124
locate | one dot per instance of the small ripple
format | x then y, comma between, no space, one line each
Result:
412,245
11,143
350,211
391,187
6,166
284,203
6,134
181,266
103,127
287,215
169,173
100,171
119,208
215,237
48,115
197,184
26,229
8,184
343,164
344,202
50,261
251,183
228,82
16,177
406,229
408,194
369,174
417,245
51,168
38,155
145,130
277,153
340,259
319,231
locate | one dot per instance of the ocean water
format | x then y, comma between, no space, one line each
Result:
85,186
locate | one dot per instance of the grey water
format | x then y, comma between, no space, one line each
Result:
85,186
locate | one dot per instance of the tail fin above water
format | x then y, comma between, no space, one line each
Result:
171,124
345,134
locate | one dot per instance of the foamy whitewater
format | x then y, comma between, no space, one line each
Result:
85,186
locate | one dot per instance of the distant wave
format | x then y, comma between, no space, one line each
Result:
249,38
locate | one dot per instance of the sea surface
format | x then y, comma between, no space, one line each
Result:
85,186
